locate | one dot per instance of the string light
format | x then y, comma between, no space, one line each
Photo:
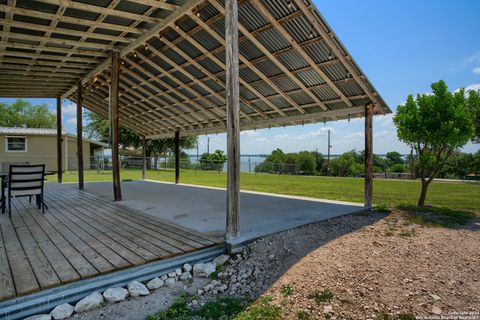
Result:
134,54
198,13
290,5
146,46
160,36
311,33
123,62
330,56
176,26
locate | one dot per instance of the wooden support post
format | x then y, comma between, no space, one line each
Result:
368,155
114,97
177,157
80,136
59,140
233,120
144,157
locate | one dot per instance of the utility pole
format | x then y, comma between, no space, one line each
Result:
329,146
412,171
196,167
208,145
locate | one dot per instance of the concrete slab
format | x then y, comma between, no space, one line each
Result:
203,208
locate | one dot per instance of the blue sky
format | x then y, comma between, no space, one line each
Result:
402,46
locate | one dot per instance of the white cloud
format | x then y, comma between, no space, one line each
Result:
476,70
474,57
72,121
69,109
320,132
249,133
474,87
384,121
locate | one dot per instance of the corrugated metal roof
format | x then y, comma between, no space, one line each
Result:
291,62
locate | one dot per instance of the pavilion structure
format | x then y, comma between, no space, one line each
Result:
185,67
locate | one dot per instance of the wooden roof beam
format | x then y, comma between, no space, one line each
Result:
170,20
219,39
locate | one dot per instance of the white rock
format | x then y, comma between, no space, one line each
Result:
39,317
178,271
203,269
88,303
113,295
200,292
436,310
137,289
155,283
172,274
221,260
435,297
164,277
187,267
170,282
62,311
271,257
327,310
185,276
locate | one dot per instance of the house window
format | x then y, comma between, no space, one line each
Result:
16,144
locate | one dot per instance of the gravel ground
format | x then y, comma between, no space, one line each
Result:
373,264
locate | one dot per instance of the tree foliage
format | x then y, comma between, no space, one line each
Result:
98,128
23,114
435,125
213,161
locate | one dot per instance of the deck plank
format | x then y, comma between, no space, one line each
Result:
172,244
142,239
61,266
22,273
114,232
161,226
108,254
7,287
100,236
61,255
44,272
80,236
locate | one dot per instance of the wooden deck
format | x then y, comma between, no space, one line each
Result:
81,236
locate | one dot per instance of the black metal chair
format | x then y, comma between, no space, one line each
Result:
26,181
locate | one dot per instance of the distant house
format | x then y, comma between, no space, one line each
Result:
37,146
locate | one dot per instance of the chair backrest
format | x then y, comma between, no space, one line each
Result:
6,165
25,179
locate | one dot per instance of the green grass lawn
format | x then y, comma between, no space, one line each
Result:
392,193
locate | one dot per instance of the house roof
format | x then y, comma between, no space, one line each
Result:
44,132
293,68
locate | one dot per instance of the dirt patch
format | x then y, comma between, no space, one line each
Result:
389,266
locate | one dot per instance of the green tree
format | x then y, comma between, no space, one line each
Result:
435,125
397,168
460,164
473,103
98,128
393,158
306,162
23,114
213,161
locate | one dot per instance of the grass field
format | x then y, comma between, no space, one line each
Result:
391,193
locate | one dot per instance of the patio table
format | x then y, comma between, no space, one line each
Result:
3,178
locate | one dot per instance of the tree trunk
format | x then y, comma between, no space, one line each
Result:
423,194
148,155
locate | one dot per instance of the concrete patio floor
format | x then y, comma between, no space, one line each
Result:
203,208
